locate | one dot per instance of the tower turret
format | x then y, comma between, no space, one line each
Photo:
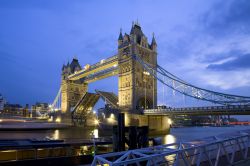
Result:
120,38
75,66
63,67
153,43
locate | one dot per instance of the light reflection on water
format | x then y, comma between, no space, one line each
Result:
95,133
169,139
176,134
56,134
192,133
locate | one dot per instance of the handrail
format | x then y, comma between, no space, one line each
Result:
207,150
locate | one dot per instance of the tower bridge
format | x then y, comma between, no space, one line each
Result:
138,73
131,96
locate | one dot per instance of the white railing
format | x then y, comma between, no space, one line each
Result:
223,149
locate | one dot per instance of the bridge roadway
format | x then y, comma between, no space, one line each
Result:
212,110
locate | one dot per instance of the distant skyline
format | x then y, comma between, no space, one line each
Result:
206,43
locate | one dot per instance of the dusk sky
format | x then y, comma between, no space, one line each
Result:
206,43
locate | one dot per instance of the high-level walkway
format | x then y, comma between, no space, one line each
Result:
104,68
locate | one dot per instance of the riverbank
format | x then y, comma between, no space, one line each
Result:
27,124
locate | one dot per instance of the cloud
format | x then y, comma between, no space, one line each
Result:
240,62
220,73
216,53
219,57
228,17
198,50
227,80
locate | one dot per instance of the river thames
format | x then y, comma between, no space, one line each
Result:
175,135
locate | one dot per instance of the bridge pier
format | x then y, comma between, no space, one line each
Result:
157,124
134,130
133,136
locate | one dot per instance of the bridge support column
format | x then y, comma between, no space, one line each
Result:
119,134
71,94
137,88
137,135
72,91
157,124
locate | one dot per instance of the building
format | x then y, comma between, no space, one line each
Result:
40,109
2,102
137,88
12,110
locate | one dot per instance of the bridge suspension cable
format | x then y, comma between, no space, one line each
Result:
181,86
56,105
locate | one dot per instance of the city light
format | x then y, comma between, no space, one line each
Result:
50,119
169,139
1,120
146,73
56,134
102,61
96,122
58,120
95,133
111,119
103,115
112,116
86,67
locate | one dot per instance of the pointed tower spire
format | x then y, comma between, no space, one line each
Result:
153,40
132,28
120,35
63,67
137,22
75,57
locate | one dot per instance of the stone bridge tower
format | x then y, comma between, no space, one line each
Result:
137,88
71,90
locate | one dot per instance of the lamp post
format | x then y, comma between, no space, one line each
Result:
145,73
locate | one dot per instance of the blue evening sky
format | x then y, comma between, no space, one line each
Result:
206,43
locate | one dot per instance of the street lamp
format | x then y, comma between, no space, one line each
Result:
145,73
